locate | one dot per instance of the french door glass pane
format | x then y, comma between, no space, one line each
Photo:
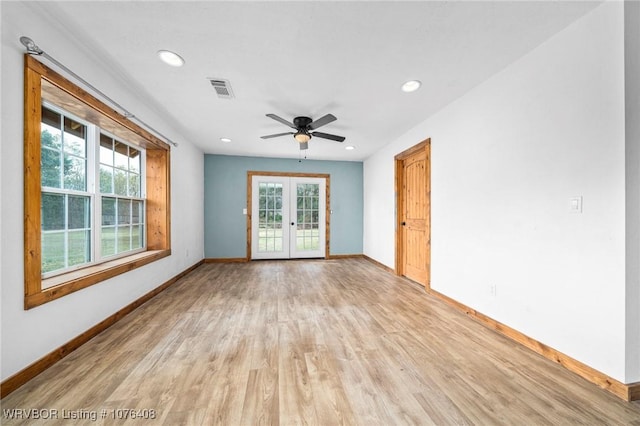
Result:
307,228
270,217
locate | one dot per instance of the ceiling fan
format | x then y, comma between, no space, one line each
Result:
303,127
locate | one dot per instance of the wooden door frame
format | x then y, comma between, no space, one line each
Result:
327,216
399,159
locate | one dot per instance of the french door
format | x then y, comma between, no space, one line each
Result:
287,217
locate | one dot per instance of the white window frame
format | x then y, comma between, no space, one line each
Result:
92,179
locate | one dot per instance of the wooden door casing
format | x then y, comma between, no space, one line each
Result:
413,230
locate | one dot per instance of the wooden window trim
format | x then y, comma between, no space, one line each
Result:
158,214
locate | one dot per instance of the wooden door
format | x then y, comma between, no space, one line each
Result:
413,235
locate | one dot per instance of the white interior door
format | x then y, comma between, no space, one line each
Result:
288,217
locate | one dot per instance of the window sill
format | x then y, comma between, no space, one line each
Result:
64,284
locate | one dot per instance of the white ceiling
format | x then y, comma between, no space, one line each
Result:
305,58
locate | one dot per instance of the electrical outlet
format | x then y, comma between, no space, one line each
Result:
493,289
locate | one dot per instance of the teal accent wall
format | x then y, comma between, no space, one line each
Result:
225,195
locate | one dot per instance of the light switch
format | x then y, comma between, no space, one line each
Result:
244,211
575,205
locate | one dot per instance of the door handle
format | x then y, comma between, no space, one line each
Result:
292,223
404,223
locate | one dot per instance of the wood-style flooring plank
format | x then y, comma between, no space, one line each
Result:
320,342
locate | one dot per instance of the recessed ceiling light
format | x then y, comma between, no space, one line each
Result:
225,140
411,86
171,58
349,147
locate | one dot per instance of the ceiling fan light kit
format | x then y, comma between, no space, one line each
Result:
303,127
302,137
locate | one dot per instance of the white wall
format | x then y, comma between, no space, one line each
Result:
29,335
632,136
506,158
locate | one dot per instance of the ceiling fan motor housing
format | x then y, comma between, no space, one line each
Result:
302,122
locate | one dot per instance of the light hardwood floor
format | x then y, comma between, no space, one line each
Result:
311,342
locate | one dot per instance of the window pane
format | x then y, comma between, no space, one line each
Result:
50,118
137,237
106,150
121,155
75,171
108,241
137,212
124,242
74,137
134,160
134,185
50,166
120,182
124,212
52,251
79,212
108,211
53,211
50,136
106,179
79,245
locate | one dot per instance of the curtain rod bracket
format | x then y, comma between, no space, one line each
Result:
32,47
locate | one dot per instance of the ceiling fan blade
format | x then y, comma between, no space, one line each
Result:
304,145
276,135
328,136
282,120
322,121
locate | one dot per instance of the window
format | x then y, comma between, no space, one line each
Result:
72,203
96,197
66,204
122,216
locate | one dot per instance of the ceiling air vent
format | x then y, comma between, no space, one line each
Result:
222,87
